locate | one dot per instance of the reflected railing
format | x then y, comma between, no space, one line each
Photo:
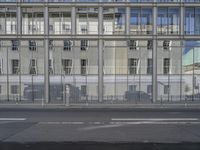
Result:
132,1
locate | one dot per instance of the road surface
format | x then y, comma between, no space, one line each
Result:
145,127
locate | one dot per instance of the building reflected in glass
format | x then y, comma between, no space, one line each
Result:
78,51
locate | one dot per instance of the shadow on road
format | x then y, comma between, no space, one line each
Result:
98,146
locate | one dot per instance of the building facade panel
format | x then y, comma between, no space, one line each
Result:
96,51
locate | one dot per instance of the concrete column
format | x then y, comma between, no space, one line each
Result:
182,32
46,55
73,20
182,14
154,76
100,55
19,21
127,20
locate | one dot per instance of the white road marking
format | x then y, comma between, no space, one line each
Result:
154,119
12,119
58,123
153,123
101,127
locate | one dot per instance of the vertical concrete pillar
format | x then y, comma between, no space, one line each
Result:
46,54
127,20
182,20
154,76
100,55
73,20
19,20
182,14
19,33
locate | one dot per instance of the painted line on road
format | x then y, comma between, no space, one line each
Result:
154,119
102,126
12,119
61,122
153,123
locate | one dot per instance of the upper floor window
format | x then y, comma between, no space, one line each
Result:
84,64
15,45
84,45
167,45
33,66
67,66
67,45
166,66
50,44
32,45
15,66
133,66
149,44
133,45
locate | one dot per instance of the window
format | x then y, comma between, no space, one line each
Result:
32,28
83,90
33,67
167,45
192,21
51,68
166,89
67,45
51,28
66,28
132,88
149,44
50,44
149,89
149,66
133,65
1,66
32,45
13,28
14,89
133,45
168,20
166,66
141,21
67,66
84,29
84,66
84,45
15,45
15,66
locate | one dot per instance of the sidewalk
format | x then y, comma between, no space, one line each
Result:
102,106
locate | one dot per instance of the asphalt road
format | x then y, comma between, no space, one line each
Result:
119,129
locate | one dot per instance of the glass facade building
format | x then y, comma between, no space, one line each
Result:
99,51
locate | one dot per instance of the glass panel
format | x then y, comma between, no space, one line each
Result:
114,20
59,21
87,20
32,21
32,71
